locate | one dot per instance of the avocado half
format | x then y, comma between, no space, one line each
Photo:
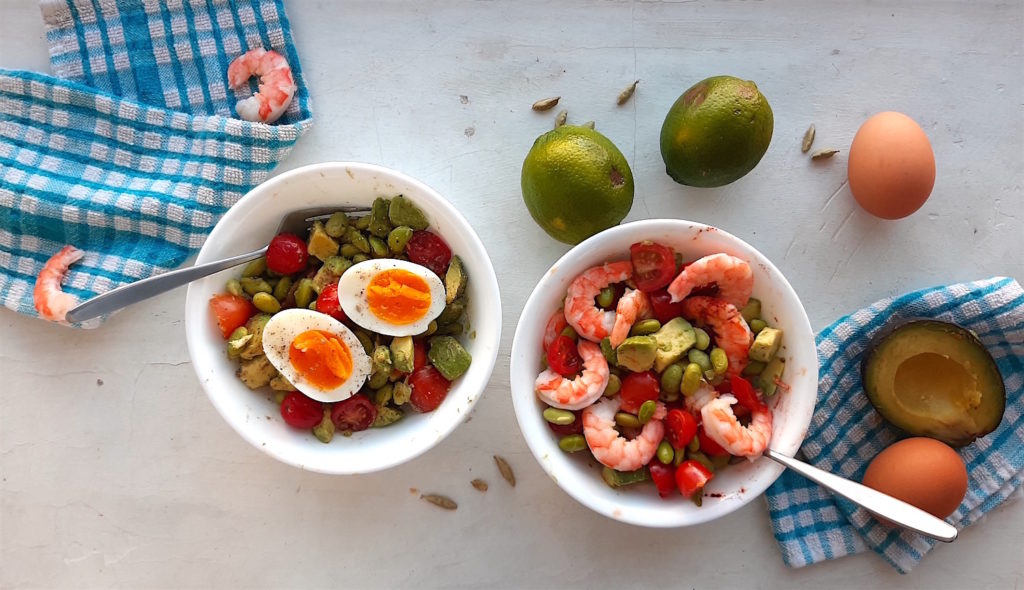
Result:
935,379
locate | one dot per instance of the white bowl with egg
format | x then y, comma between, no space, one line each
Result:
579,474
249,225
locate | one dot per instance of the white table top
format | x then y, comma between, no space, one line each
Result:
117,471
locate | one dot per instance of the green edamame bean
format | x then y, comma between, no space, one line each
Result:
362,223
703,339
614,385
605,297
282,287
304,293
572,443
694,445
253,285
679,457
647,410
358,240
398,238
751,310
671,377
665,452
378,247
700,357
365,340
255,267
568,331
757,324
691,379
266,303
645,327
359,258
234,287
753,368
348,250
679,261
627,420
720,461
560,417
719,361
702,459
383,394
312,305
336,225
669,396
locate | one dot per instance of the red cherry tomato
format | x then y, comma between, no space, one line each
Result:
429,388
638,388
662,306
563,358
691,477
565,430
745,394
327,302
428,249
230,311
419,354
354,414
287,254
680,427
300,411
654,265
664,477
708,446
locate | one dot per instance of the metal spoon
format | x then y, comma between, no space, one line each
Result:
125,295
875,502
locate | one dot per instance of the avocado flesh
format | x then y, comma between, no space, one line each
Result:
935,379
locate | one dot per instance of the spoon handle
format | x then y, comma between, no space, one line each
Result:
126,295
873,501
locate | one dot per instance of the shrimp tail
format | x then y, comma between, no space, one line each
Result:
50,301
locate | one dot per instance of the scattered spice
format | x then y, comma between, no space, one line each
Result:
440,501
808,139
506,470
560,120
545,104
824,154
627,93
479,484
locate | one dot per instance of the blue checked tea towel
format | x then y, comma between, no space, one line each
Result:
132,151
846,432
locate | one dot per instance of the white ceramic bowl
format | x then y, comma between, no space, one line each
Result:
249,225
579,474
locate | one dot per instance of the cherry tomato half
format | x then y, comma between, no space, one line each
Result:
428,249
638,388
429,388
300,411
563,358
662,306
354,414
654,265
287,254
680,427
230,311
664,477
419,354
327,302
745,394
708,446
691,477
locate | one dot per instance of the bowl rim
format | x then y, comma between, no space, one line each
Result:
523,402
194,335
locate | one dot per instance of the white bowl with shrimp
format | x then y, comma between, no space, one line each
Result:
731,488
249,225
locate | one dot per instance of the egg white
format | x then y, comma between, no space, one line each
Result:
352,296
282,329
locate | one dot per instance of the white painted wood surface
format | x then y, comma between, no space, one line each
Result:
117,471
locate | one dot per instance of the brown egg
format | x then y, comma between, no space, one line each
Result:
891,166
920,471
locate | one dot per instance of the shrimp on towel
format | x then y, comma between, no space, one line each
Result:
733,276
277,87
51,302
632,306
722,426
610,448
580,310
574,394
731,331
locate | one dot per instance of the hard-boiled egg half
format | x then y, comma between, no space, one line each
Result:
391,297
316,353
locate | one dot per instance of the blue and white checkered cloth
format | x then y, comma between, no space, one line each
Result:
846,432
132,152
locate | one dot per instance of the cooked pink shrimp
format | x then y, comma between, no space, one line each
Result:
554,328
731,331
581,312
277,87
610,448
573,394
51,302
733,276
722,426
704,394
632,306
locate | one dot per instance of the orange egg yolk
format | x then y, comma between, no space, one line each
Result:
321,358
398,296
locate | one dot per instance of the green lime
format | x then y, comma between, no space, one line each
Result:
576,183
716,132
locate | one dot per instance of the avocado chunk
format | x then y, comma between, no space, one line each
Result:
449,357
256,372
637,353
402,353
609,352
320,244
767,379
454,280
935,379
618,479
766,344
254,326
379,226
402,211
673,340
